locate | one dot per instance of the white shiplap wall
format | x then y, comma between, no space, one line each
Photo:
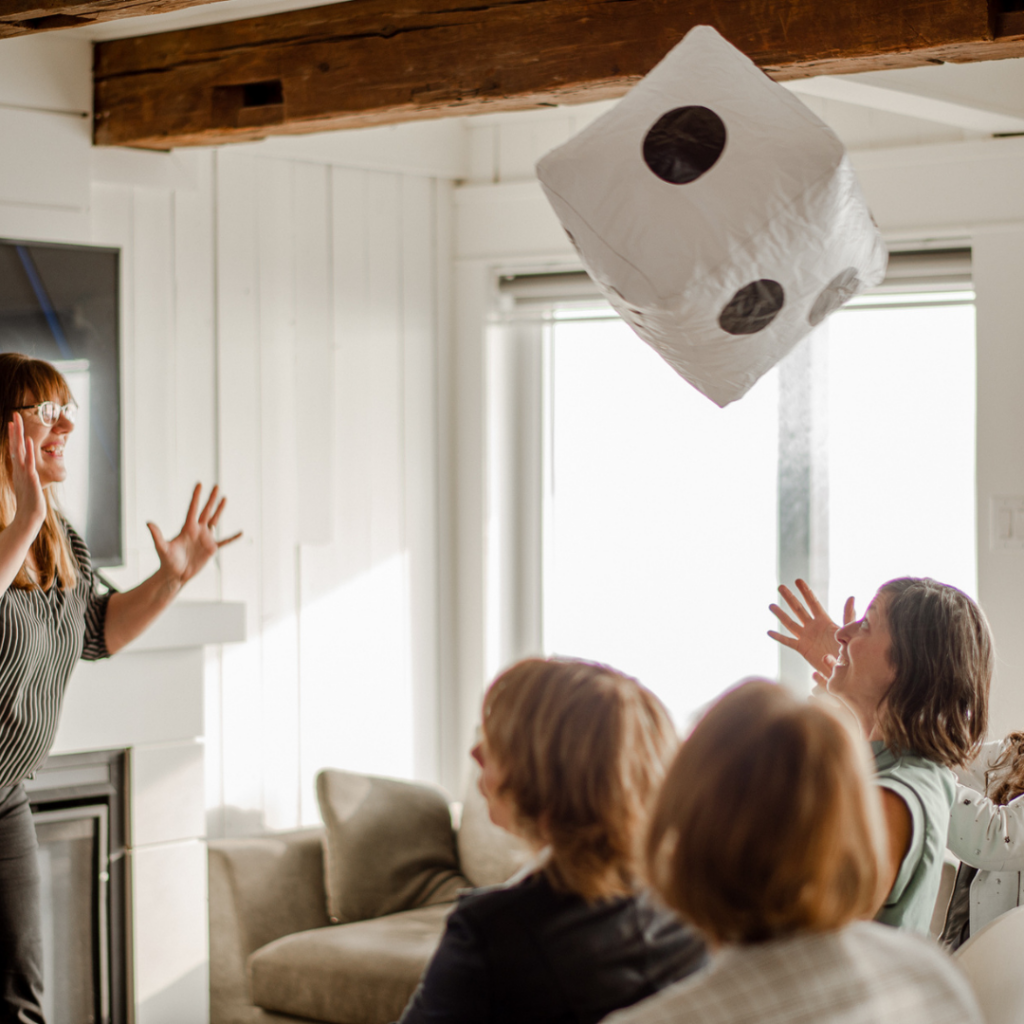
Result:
281,334
326,309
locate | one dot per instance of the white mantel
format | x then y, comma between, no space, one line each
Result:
150,699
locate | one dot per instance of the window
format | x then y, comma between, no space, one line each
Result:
901,412
634,522
660,540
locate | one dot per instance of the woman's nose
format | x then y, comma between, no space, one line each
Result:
843,633
64,425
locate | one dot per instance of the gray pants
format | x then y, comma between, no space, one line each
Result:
21,940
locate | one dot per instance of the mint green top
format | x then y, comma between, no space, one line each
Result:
928,789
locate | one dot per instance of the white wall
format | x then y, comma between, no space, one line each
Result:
281,324
326,326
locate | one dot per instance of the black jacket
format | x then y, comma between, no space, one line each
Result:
526,954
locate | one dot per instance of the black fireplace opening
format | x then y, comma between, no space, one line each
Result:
78,807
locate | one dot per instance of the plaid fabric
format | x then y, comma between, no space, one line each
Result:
865,974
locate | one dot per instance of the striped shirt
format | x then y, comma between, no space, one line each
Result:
42,636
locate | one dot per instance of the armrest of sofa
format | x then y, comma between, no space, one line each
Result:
260,889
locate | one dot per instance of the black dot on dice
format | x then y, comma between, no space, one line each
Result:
752,308
836,293
684,143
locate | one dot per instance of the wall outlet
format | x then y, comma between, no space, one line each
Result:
1007,522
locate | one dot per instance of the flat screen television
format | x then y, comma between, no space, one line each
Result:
60,303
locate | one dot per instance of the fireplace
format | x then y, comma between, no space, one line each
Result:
78,806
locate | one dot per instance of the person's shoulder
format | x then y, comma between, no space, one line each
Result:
895,950
656,921
908,959
74,537
682,1000
973,775
496,901
923,775
874,936
910,762
78,546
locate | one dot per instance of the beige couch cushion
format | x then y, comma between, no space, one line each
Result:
389,846
362,973
488,855
260,889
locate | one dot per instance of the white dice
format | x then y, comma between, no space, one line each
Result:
718,215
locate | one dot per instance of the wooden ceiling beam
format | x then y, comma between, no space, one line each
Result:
26,17
369,62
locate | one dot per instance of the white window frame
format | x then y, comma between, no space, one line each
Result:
518,451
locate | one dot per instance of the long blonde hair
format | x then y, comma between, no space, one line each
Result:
23,381
583,750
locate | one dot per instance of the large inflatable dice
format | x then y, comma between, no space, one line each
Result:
718,215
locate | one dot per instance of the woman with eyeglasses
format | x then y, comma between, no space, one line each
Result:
51,614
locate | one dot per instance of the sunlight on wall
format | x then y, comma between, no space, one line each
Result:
357,700
661,550
901,449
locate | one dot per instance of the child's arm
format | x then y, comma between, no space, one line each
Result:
986,835
973,775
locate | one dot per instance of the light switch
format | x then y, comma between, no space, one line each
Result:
1007,522
1005,519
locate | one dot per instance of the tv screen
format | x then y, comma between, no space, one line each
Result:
60,303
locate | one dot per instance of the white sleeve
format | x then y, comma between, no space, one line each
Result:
986,835
973,775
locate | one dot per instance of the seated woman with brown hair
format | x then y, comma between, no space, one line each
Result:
768,837
915,671
571,757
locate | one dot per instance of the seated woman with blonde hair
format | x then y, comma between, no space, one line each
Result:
768,836
571,757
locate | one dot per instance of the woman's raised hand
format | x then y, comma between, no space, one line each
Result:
814,633
183,556
29,499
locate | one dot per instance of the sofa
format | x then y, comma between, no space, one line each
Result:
337,923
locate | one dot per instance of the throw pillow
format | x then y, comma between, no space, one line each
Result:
389,846
488,855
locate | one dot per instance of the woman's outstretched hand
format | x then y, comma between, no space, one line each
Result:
131,612
814,633
30,502
183,556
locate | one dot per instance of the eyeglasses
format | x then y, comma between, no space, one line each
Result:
50,412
